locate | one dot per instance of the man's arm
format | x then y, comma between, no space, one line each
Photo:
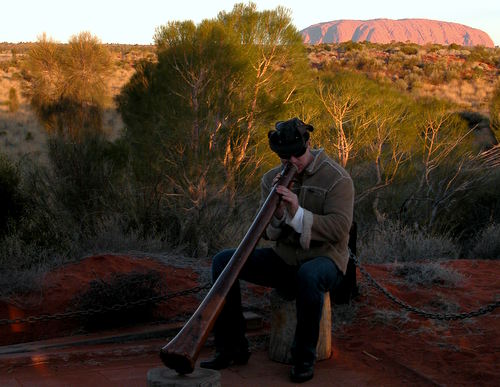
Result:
336,221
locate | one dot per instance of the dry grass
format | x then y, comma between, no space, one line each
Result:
487,243
392,242
427,274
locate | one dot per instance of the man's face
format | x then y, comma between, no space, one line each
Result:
300,162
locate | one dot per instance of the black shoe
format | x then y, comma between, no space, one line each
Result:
224,359
302,372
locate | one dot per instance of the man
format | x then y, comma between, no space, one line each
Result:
310,228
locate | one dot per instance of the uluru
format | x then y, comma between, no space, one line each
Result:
420,31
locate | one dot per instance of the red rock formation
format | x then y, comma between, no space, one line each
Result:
420,31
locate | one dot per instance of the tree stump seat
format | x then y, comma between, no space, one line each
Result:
283,322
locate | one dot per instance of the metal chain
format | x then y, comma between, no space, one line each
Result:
115,307
162,298
436,316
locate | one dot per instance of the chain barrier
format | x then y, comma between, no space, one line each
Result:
430,315
115,307
162,298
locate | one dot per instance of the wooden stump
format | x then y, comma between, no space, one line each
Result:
283,322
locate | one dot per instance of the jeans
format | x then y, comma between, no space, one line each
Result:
306,283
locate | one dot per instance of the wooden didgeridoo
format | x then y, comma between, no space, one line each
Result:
182,351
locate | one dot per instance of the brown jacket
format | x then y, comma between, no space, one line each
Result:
326,192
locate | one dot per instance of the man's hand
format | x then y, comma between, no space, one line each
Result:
289,199
280,211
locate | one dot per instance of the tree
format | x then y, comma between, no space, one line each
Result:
447,170
196,117
278,64
384,145
342,106
215,87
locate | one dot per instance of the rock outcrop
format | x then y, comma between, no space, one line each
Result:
420,31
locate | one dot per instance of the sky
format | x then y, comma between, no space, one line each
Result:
134,22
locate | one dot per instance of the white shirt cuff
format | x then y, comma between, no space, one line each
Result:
296,222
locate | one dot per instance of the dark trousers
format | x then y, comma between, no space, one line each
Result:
306,283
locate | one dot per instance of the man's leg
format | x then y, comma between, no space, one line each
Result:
262,267
314,278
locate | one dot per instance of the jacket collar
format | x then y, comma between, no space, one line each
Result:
318,156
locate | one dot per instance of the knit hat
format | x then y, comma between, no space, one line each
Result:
289,138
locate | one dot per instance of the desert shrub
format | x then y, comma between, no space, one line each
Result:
481,54
414,80
409,49
69,200
427,274
190,212
349,46
366,62
487,243
120,289
401,84
12,198
4,66
13,100
46,224
495,110
85,175
67,84
24,264
393,242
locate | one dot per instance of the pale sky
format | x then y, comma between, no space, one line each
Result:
127,21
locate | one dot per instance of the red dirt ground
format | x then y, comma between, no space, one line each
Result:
61,286
465,352
381,342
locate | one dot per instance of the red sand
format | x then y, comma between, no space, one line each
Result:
384,350
465,352
61,286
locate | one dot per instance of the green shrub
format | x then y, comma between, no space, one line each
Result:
120,289
350,46
410,49
481,54
454,46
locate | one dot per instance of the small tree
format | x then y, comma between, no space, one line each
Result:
343,113
67,84
275,52
447,171
384,146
